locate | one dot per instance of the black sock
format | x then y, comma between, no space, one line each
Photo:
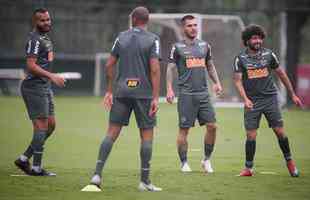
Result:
250,148
104,151
29,151
182,151
208,150
145,156
37,146
285,148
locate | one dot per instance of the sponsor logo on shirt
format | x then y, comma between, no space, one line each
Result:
257,72
132,82
195,62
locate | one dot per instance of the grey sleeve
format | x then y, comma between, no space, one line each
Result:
237,66
274,63
33,47
155,49
209,53
115,51
173,54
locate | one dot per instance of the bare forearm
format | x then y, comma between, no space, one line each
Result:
212,72
36,70
155,77
109,78
241,91
285,80
169,76
239,86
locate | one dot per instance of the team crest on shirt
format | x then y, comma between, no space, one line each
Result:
132,82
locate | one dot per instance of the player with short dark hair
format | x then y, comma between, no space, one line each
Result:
192,60
254,82
137,52
37,93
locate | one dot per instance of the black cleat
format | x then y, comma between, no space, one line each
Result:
43,172
23,165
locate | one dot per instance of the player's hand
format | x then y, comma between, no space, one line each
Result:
170,96
248,104
108,100
297,101
154,107
217,88
58,80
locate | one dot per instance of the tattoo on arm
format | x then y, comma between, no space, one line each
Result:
171,68
212,72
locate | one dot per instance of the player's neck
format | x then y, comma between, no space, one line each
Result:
38,31
189,41
140,26
253,51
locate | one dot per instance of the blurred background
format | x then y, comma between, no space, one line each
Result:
83,33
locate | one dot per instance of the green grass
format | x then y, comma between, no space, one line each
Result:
81,125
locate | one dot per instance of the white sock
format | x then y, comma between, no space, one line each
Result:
36,168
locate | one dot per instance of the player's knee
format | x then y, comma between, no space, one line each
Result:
40,124
279,131
251,134
211,128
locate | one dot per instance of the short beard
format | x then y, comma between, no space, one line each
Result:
42,29
253,48
190,37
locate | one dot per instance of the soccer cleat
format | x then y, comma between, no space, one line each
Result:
96,180
149,187
206,166
185,167
23,165
247,172
91,188
292,168
42,172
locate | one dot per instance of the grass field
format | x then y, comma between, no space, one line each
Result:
72,152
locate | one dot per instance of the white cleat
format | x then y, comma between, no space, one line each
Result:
96,180
185,167
206,166
149,187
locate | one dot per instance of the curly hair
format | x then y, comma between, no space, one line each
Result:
251,30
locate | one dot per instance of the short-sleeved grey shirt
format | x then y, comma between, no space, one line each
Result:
134,48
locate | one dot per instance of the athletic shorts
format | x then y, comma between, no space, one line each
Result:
268,106
121,111
38,99
192,107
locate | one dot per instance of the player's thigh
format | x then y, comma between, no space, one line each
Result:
141,109
252,117
120,111
36,101
272,112
206,113
187,111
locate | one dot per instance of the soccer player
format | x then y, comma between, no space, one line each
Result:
254,82
192,59
37,93
137,52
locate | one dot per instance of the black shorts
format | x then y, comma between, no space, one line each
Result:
38,99
268,106
192,107
122,108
